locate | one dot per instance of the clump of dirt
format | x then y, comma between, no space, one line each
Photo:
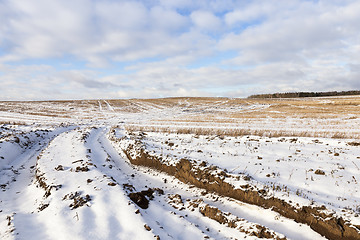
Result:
324,223
128,187
203,164
82,169
78,200
80,160
143,198
176,201
43,206
319,172
147,227
85,136
247,178
10,223
48,191
9,218
213,213
16,139
263,232
59,168
139,199
40,179
159,191
355,144
171,144
41,182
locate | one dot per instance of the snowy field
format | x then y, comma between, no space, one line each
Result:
180,168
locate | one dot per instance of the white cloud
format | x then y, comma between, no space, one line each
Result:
44,29
308,32
88,30
167,20
205,20
250,13
121,15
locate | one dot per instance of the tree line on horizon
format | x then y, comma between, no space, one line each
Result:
305,94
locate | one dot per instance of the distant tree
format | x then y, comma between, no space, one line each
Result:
305,94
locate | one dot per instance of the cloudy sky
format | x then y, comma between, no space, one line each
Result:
86,49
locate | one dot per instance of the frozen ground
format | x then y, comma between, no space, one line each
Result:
64,173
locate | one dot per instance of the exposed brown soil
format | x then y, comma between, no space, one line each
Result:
175,200
43,206
353,144
147,227
41,182
327,225
319,172
214,213
142,198
78,200
59,168
139,199
224,218
82,169
9,220
217,215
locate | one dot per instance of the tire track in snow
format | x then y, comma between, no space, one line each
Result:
85,206
163,222
16,180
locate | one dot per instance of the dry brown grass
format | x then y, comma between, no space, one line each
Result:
315,117
238,132
12,123
279,108
318,109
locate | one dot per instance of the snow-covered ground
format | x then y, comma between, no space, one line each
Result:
64,173
305,171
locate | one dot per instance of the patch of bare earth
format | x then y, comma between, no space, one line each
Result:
224,218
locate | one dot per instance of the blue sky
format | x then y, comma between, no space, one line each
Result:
88,49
